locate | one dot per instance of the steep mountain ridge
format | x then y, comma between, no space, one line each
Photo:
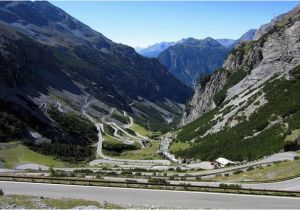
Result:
55,66
193,58
251,103
247,36
246,56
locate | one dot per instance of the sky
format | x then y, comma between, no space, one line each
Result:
140,24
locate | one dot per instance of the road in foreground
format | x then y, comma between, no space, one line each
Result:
150,198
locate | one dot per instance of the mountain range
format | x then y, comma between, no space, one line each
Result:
51,60
58,73
154,50
250,107
193,58
190,59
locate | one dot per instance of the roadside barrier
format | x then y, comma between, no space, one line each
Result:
143,185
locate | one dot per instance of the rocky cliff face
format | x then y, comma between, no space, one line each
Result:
202,101
250,107
247,36
275,51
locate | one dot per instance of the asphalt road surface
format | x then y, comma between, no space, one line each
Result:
150,198
287,185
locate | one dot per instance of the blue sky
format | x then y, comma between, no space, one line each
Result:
144,23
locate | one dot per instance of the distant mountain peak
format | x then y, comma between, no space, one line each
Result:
154,50
226,42
193,58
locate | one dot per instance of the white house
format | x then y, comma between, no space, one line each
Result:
223,162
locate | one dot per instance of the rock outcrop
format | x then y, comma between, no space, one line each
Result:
276,50
202,100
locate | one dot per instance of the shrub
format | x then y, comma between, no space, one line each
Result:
82,131
237,172
157,181
83,171
230,186
283,98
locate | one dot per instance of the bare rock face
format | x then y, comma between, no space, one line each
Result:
275,51
202,100
267,27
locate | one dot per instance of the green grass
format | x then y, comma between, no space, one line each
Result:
149,153
30,202
293,136
177,146
279,170
110,139
112,146
15,153
72,203
141,130
18,200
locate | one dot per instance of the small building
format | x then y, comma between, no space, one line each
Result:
222,162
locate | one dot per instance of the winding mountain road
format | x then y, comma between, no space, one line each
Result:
106,159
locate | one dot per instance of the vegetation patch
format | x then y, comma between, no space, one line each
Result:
283,98
82,131
108,129
177,146
233,79
10,127
15,153
147,153
114,147
153,120
30,202
121,118
281,170
197,128
141,130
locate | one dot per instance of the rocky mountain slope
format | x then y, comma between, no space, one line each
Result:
250,107
247,36
193,58
53,67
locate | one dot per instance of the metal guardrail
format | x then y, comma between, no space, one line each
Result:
133,184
